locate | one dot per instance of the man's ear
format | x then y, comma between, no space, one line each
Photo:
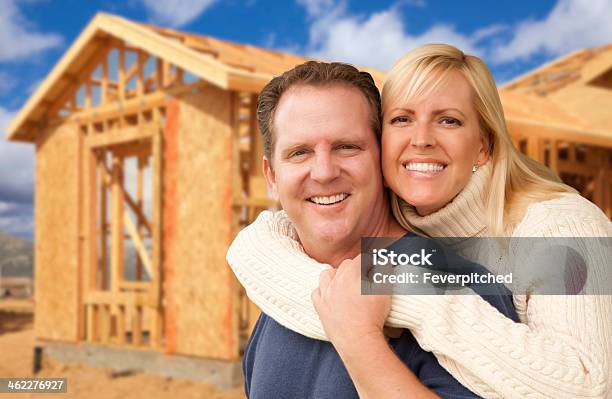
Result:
270,177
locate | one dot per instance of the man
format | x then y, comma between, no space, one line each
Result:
321,126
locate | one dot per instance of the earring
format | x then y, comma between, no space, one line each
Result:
475,167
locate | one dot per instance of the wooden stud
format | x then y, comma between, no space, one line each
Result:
136,325
554,156
120,317
104,323
117,224
140,85
121,72
156,327
88,96
92,322
102,266
140,205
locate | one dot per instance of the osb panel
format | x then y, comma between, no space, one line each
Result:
580,100
56,234
201,295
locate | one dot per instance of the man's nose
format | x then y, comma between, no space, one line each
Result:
324,168
423,136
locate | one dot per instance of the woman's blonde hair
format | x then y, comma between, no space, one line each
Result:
516,180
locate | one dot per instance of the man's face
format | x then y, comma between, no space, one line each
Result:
325,168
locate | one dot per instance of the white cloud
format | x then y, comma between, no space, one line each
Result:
316,8
176,13
379,38
16,182
570,25
16,165
376,40
18,37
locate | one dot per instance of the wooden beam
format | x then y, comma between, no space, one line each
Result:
118,298
528,128
82,76
142,286
121,136
138,244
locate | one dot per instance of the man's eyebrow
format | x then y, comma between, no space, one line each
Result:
294,147
350,140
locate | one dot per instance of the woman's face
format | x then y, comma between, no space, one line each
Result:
430,145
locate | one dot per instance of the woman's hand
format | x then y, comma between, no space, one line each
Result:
347,316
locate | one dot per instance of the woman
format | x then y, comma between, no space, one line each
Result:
449,159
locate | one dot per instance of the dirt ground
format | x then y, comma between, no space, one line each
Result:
16,346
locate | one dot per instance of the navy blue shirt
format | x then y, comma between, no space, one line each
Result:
279,363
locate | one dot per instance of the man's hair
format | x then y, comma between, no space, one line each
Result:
316,74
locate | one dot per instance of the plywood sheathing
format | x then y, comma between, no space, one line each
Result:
56,234
559,96
201,286
170,204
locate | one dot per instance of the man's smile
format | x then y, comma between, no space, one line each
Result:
329,199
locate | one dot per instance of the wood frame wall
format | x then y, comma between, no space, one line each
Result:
587,168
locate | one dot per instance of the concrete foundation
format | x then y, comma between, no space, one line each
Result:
224,374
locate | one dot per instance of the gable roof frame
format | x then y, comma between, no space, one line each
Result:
34,113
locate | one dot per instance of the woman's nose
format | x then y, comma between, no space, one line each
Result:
423,136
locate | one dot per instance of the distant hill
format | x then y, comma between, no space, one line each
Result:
16,256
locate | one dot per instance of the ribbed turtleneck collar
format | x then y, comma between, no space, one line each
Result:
464,216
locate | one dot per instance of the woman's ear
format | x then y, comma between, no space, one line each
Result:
484,152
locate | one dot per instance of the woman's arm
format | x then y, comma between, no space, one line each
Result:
562,351
277,275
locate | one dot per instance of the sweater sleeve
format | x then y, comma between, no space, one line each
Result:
562,349
277,275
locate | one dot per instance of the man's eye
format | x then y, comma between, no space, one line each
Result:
347,147
450,121
297,153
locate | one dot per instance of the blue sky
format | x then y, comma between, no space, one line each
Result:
512,37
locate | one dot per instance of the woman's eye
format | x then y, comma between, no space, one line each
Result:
400,119
450,121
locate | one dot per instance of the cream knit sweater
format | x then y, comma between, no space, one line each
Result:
561,349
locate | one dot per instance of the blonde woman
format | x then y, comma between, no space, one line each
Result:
447,156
